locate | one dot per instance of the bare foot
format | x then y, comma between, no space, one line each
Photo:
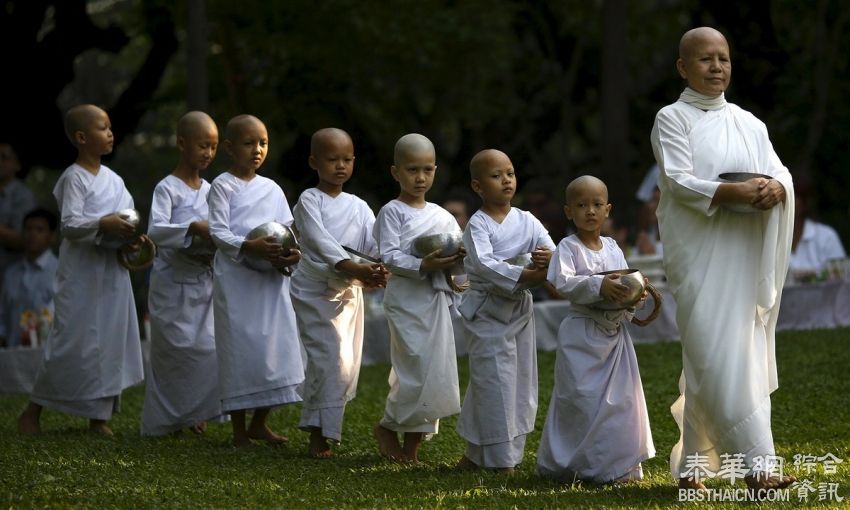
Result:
410,450
199,428
388,443
506,471
466,465
28,425
319,447
100,427
769,482
266,434
691,483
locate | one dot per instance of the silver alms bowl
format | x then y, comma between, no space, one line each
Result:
448,244
200,247
741,177
631,278
523,259
129,215
282,235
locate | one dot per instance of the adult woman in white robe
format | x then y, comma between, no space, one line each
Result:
725,268
181,390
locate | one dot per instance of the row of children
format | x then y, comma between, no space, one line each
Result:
244,325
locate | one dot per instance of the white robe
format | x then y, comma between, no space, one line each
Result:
93,351
329,309
181,388
597,426
423,380
726,271
16,200
818,244
256,338
500,403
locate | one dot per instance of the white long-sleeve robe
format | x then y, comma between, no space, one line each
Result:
423,380
181,388
256,337
726,270
329,309
597,426
93,351
500,403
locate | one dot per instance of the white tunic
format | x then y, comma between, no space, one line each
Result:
500,404
28,286
255,332
597,426
93,351
423,380
726,271
329,309
16,200
181,388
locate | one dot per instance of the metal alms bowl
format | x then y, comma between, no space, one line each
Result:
129,215
448,243
141,259
282,235
360,258
631,278
741,177
634,280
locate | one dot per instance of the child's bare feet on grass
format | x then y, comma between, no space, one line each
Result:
410,450
100,427
769,482
199,428
264,433
691,483
319,447
388,443
28,421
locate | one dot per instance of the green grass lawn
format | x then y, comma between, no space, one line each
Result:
67,468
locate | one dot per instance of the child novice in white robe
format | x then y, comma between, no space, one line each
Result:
423,380
93,351
500,404
597,426
255,332
328,305
181,389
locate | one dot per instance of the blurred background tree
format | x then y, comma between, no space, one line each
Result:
564,87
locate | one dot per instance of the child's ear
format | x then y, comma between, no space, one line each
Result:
476,186
228,146
181,144
312,162
80,137
394,172
568,212
608,208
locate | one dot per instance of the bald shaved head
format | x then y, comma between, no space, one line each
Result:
583,183
412,143
697,36
79,118
488,158
195,122
237,124
325,137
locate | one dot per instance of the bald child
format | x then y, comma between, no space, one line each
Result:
423,380
327,287
181,391
93,351
256,338
500,403
597,426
